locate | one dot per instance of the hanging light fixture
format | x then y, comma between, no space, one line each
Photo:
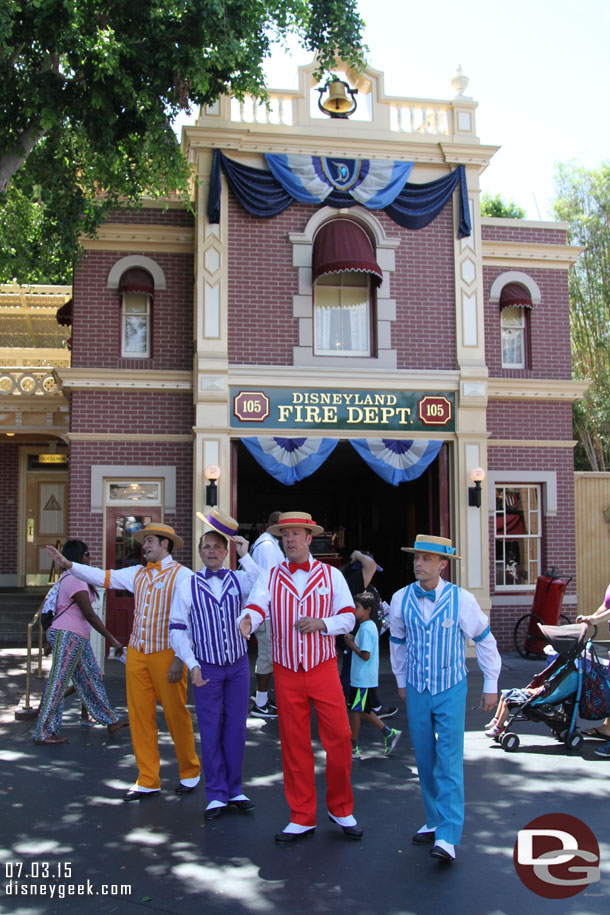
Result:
337,104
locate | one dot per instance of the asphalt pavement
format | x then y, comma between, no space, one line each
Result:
70,844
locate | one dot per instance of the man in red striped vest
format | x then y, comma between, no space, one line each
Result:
308,603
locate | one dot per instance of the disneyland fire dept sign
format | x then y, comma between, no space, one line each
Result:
398,411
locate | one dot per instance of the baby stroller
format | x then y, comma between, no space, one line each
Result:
557,704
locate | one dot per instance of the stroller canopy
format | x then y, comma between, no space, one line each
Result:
566,639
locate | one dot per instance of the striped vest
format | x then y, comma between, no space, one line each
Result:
152,604
291,648
216,638
436,651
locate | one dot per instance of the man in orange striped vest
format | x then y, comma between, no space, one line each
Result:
308,603
153,671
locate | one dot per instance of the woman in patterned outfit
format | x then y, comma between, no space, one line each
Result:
73,658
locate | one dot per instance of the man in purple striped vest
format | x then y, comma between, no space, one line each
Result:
204,634
430,622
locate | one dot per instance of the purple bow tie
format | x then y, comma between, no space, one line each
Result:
219,574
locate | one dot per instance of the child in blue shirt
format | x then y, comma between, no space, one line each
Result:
364,675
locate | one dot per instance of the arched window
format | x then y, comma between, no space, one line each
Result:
345,277
136,290
515,305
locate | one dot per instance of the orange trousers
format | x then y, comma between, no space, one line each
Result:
147,684
295,693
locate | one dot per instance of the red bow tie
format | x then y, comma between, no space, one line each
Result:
153,565
293,566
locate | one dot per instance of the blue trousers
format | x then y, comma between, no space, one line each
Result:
436,726
222,711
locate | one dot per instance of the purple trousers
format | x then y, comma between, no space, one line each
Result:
222,711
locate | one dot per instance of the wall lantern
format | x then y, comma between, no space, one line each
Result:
337,104
477,475
211,490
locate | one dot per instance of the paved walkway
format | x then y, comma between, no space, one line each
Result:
61,808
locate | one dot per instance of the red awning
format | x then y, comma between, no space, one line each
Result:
63,315
341,245
137,280
514,295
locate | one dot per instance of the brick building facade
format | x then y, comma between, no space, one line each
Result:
175,317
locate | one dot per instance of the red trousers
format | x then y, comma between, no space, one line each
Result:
296,692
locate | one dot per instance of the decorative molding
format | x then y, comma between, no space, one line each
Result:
546,479
523,223
514,276
101,472
346,377
566,390
530,443
136,260
125,437
127,237
549,257
74,379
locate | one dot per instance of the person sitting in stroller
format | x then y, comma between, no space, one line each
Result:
509,699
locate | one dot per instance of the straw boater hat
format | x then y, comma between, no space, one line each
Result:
160,531
289,520
426,543
222,524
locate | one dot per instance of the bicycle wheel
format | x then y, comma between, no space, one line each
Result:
527,645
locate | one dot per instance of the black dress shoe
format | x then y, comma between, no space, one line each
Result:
134,795
243,804
350,832
214,812
441,855
423,838
287,838
184,789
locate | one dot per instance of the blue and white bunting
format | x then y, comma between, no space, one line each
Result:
397,460
289,460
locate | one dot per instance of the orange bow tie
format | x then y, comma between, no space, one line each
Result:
153,565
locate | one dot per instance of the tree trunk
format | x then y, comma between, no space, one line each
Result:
13,160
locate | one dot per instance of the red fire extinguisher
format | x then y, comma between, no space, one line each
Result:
548,600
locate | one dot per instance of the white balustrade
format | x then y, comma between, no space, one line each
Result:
27,382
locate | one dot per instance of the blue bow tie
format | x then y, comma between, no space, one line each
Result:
431,595
219,574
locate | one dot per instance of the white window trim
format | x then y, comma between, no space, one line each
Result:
302,302
100,472
514,276
548,480
135,260
522,328
525,537
131,355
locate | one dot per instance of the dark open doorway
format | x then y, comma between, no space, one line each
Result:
346,493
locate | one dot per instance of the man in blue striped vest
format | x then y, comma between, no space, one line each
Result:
205,635
430,622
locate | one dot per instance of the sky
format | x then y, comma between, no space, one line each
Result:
539,70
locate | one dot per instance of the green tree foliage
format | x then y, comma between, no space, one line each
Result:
498,206
89,90
583,201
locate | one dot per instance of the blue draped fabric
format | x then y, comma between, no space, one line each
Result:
414,206
397,460
289,460
374,183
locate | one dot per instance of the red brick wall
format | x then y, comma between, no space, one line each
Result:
423,285
262,282
524,234
89,527
550,355
527,420
151,216
558,546
9,507
132,411
96,329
